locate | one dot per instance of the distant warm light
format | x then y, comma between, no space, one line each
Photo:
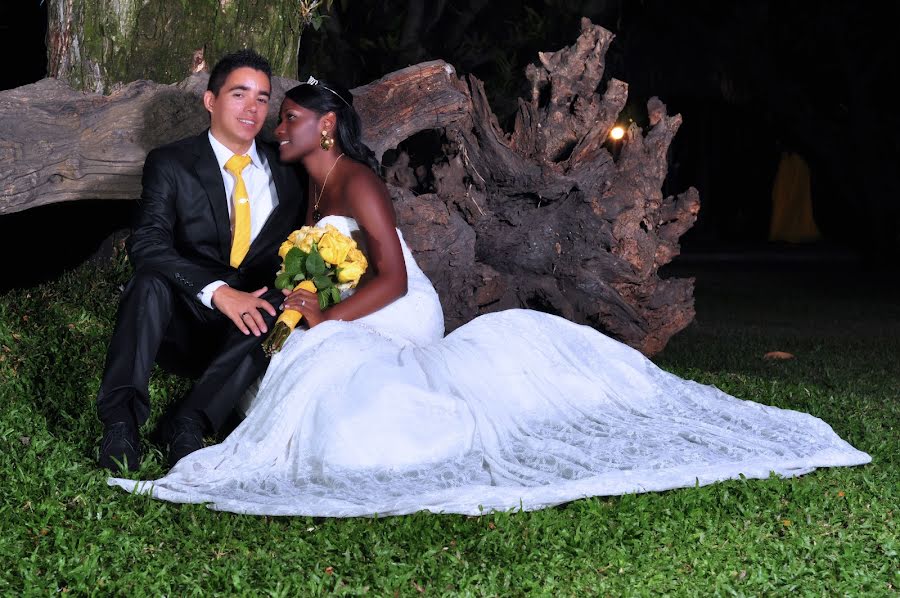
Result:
617,133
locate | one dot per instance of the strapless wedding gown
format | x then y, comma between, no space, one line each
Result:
514,410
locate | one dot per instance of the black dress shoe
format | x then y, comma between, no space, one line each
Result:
120,449
184,435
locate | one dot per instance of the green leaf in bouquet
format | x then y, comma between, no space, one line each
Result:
283,281
323,298
298,278
293,262
315,265
335,295
322,282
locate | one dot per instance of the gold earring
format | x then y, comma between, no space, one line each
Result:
326,142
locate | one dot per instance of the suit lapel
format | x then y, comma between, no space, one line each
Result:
207,168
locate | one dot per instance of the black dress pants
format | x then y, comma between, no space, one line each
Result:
158,324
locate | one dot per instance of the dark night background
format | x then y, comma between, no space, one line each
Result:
750,78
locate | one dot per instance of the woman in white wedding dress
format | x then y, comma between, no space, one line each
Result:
373,412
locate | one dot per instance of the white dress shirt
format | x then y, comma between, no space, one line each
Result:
260,189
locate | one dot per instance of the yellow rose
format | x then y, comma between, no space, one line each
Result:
305,237
334,246
297,236
305,231
357,256
285,247
350,272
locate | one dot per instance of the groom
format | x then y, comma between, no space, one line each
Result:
204,246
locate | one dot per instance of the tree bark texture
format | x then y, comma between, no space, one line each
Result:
58,144
553,216
564,220
94,45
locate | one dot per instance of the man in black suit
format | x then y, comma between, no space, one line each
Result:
213,212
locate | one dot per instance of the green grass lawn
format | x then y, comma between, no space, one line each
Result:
833,532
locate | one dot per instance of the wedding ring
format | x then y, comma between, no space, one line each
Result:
245,314
303,304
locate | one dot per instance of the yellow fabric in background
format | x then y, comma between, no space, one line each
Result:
792,215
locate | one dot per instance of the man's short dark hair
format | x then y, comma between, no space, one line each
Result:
234,61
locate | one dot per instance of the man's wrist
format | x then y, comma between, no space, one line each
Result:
206,295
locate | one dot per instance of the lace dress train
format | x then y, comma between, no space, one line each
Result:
516,409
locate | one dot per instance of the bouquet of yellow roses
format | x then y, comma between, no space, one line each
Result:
319,260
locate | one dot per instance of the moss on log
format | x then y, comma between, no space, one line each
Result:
96,45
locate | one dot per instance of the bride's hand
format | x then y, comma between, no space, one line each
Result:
307,304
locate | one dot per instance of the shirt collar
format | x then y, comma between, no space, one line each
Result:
223,154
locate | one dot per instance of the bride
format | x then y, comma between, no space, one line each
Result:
372,411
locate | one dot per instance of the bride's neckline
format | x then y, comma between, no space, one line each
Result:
327,216
346,224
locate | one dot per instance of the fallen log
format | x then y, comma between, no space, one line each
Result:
552,216
58,144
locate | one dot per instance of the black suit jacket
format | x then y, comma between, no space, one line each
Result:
182,229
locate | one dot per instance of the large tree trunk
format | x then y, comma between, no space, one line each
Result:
95,45
553,216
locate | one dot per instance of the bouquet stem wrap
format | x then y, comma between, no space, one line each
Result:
285,323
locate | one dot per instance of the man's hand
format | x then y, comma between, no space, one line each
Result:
243,308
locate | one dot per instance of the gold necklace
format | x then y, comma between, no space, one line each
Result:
316,214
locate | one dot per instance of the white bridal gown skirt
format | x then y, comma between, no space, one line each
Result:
516,409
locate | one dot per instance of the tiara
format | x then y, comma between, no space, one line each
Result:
315,82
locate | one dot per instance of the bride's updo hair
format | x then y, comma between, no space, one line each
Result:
325,96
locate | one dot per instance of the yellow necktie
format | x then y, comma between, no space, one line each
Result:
240,244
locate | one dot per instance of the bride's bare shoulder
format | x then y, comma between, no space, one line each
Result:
362,187
358,177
